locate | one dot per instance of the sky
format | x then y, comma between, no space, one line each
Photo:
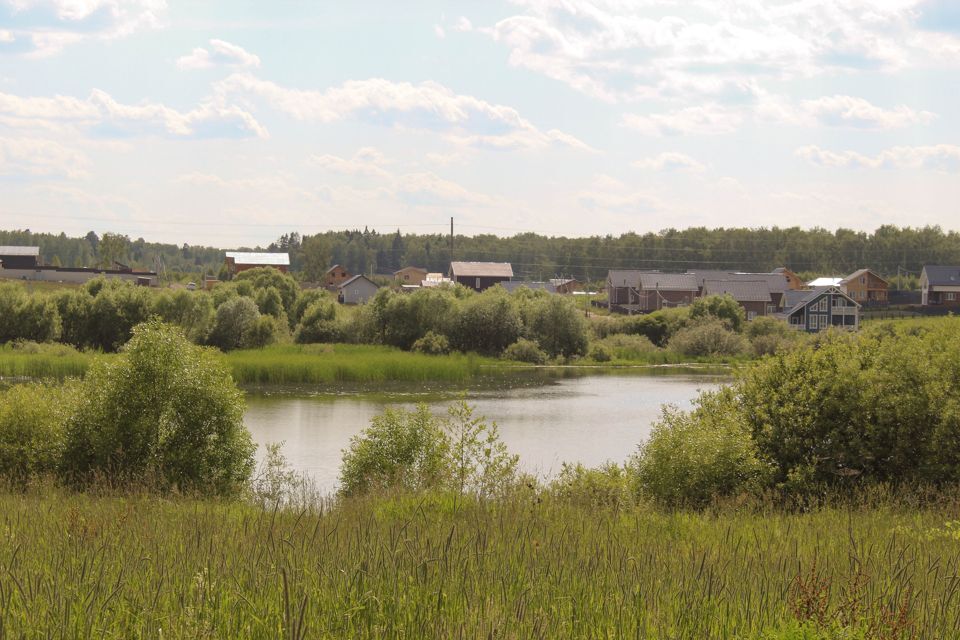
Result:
227,123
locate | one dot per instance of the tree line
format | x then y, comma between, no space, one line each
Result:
889,250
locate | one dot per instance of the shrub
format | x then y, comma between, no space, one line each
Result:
319,323
27,317
252,281
234,321
163,409
724,308
264,331
192,311
710,338
32,432
488,322
557,326
479,461
433,344
599,353
692,458
606,486
768,335
524,350
400,449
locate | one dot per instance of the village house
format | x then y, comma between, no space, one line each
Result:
20,257
410,275
940,286
335,276
866,287
753,295
818,309
435,280
644,291
356,290
238,261
480,275
777,284
566,285
793,280
80,275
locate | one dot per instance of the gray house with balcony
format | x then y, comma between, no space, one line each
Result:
821,308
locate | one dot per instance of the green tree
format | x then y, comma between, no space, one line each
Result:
112,248
721,307
233,323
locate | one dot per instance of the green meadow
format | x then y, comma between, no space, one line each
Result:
437,566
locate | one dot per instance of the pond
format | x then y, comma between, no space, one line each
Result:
588,419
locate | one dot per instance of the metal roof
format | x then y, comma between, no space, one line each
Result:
625,277
250,257
347,283
669,281
825,282
943,276
776,282
19,251
482,269
741,290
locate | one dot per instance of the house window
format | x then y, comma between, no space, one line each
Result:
751,315
951,295
771,309
478,283
863,279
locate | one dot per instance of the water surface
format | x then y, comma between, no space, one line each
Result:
588,419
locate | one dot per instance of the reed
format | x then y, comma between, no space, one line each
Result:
323,364
30,360
76,565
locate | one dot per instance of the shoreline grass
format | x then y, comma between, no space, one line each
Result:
437,567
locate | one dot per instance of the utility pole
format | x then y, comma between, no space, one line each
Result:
451,238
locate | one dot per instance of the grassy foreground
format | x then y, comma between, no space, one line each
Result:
74,565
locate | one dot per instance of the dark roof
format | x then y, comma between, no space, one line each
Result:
625,277
776,282
336,266
669,281
533,286
482,269
809,296
943,276
741,290
862,272
19,251
346,283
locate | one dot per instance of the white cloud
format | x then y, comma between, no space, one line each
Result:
705,120
840,111
221,53
45,27
39,158
427,106
439,32
633,49
101,115
670,161
941,157
367,161
427,189
606,194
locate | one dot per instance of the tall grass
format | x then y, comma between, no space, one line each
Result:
318,364
30,360
77,565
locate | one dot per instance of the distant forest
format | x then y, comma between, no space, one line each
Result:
888,250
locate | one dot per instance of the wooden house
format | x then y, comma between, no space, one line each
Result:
818,309
238,261
866,287
793,280
335,276
480,275
566,285
645,291
940,286
410,275
356,290
753,295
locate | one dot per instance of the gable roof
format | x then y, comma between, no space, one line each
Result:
625,277
669,281
862,272
409,268
482,269
347,283
740,290
559,282
776,282
942,275
19,251
253,257
811,295
336,266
